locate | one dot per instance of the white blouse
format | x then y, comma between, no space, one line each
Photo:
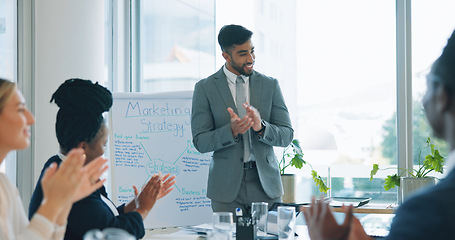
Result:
13,221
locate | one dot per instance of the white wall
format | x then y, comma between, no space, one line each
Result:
68,43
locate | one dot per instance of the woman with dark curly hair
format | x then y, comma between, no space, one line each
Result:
80,124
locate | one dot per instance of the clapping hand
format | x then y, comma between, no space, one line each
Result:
255,116
157,187
322,224
239,125
70,182
165,189
91,182
168,182
60,183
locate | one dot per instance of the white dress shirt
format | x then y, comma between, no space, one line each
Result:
231,77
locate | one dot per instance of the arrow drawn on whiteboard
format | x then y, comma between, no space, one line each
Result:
155,166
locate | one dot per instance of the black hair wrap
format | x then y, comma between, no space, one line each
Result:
79,118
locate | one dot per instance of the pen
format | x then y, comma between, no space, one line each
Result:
238,212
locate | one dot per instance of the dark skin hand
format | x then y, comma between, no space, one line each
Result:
357,232
168,182
322,224
148,196
156,188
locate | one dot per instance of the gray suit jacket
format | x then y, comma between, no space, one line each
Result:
211,129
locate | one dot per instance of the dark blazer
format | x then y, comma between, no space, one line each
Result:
211,129
91,212
428,215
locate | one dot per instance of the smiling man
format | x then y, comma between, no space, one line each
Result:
240,114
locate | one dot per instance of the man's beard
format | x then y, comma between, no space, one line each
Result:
240,70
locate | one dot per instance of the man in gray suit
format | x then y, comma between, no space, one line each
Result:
240,114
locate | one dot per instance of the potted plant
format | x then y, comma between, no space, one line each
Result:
417,177
294,158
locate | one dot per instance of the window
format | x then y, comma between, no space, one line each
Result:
8,36
347,91
176,44
337,66
8,64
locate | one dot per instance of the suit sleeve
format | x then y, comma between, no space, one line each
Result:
278,130
413,220
93,213
206,136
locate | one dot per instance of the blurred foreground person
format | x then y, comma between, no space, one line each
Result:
430,213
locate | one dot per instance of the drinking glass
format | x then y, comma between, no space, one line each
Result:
286,222
108,234
223,225
259,212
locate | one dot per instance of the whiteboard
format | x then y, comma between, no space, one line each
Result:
151,133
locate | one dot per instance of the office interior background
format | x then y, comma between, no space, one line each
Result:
352,72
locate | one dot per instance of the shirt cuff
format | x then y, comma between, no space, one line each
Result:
42,226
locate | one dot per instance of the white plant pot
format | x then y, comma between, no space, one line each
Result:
289,187
409,185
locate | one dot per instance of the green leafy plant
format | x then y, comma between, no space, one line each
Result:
433,162
295,158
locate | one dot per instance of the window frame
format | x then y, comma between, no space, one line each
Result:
404,86
26,84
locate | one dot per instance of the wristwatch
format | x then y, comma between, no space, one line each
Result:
262,129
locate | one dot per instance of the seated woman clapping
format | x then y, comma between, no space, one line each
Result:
80,124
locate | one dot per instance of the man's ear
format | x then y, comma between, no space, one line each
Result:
82,145
444,100
226,56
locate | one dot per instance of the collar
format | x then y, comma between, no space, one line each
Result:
61,156
231,77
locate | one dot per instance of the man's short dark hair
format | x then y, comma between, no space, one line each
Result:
444,66
231,35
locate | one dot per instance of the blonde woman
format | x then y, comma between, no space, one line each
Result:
61,187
